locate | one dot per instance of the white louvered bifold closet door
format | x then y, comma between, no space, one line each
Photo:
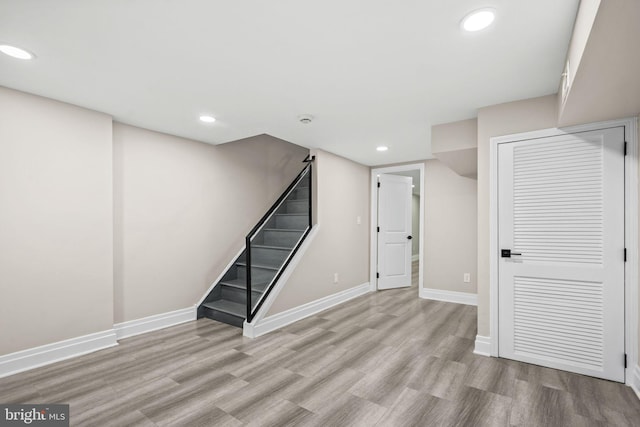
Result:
561,213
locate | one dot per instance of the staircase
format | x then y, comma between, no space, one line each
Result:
272,242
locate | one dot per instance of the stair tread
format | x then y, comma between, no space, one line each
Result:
264,266
242,284
280,248
284,229
229,307
293,214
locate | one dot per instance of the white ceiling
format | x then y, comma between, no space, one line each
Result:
372,72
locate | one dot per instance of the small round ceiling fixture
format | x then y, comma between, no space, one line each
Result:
478,19
305,119
205,118
16,52
382,148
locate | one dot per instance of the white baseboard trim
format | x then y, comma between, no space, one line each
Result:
155,322
287,317
634,381
483,346
449,296
415,257
24,360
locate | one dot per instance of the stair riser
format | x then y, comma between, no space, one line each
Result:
296,222
239,295
302,193
262,256
304,183
281,238
295,206
271,257
299,194
224,317
258,275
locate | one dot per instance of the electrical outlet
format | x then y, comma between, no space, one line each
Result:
467,277
358,220
335,277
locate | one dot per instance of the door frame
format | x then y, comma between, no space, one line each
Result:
374,222
631,230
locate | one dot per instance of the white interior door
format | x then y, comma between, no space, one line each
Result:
394,236
561,213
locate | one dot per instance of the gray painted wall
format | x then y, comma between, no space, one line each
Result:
450,229
56,221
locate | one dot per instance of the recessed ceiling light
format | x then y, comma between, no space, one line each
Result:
305,119
16,52
478,19
207,119
413,186
382,148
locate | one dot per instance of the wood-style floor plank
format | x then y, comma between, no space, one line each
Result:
385,359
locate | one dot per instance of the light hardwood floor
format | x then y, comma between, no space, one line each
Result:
386,359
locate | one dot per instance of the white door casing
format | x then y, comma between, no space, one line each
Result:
561,205
394,220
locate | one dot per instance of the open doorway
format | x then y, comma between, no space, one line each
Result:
415,244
